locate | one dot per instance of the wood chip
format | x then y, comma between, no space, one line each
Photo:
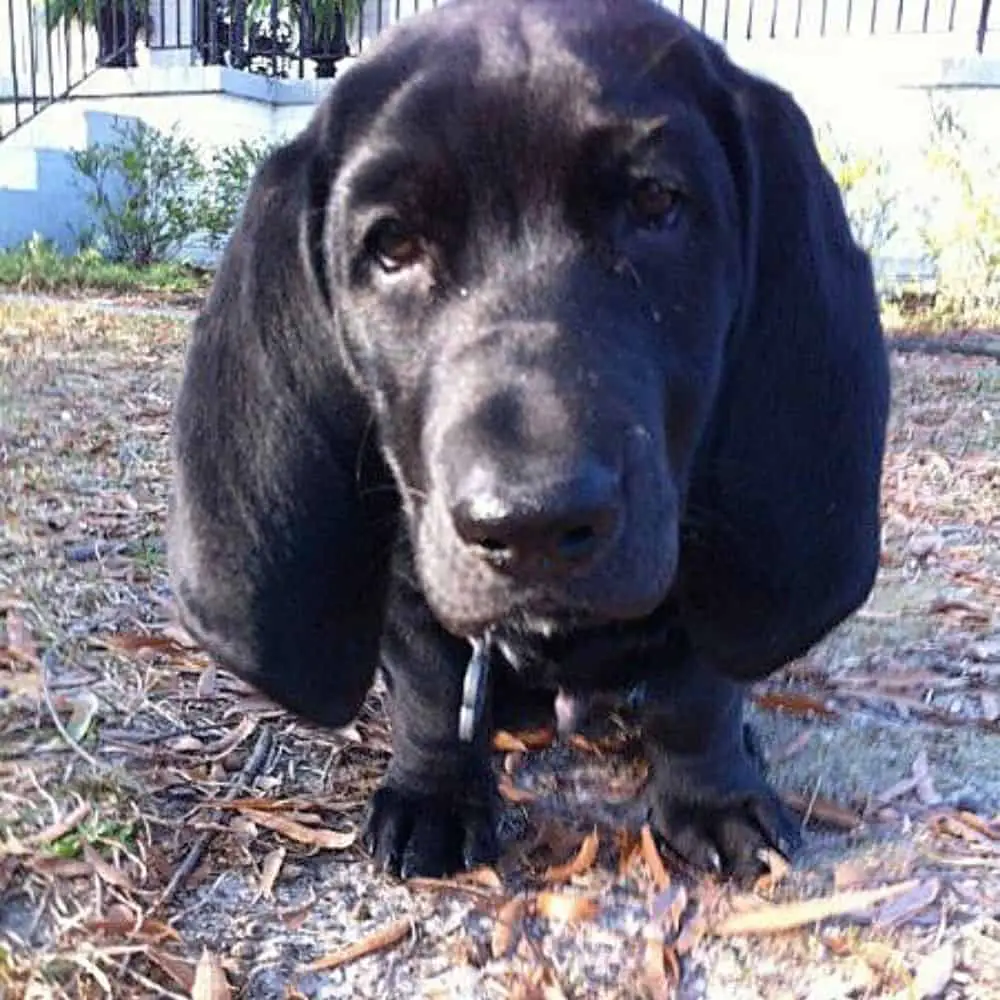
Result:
779,917
582,862
328,840
385,937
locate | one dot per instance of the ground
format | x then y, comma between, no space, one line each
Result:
164,832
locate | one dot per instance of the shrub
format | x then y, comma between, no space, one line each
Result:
961,227
144,192
233,168
865,181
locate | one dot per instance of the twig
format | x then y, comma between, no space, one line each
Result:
191,861
48,659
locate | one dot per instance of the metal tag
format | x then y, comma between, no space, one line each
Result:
474,690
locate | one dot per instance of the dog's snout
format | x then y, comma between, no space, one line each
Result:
539,531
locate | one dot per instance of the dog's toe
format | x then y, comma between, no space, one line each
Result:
414,835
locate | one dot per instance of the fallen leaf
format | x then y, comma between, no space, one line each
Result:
629,846
60,828
83,711
231,740
528,739
483,883
668,906
903,908
329,840
565,907
177,968
933,974
823,810
774,918
507,928
60,867
512,793
210,981
385,937
660,969
121,921
107,872
794,703
20,644
965,826
777,871
137,642
270,870
582,862
849,875
654,862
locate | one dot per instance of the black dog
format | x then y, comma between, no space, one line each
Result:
549,335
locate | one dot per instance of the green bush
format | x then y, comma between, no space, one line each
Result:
870,198
233,168
961,224
145,191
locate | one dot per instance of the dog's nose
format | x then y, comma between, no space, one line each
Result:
550,530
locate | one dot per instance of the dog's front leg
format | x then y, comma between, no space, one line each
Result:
709,798
435,813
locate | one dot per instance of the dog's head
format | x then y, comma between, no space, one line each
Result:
590,289
537,248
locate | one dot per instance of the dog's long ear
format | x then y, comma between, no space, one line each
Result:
280,523
784,540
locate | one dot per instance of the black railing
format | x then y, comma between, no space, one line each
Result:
48,47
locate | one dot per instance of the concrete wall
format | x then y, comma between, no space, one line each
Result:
872,93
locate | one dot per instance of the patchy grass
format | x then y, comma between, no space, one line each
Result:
37,268
161,822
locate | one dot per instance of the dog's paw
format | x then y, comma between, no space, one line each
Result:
720,815
411,834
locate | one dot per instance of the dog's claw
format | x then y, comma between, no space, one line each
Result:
412,835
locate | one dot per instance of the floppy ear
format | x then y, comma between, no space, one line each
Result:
785,500
280,525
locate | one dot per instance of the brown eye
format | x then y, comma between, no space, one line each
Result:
655,204
394,246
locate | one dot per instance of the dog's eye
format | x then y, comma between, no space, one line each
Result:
394,246
654,204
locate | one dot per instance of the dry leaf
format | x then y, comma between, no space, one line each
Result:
177,968
629,850
483,883
270,870
776,918
565,907
668,906
20,644
137,642
528,739
905,907
777,871
210,981
504,742
507,928
654,862
107,872
794,703
60,828
328,840
512,793
824,811
582,862
849,875
933,973
660,969
120,921
384,937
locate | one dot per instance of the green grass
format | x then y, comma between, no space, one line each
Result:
38,267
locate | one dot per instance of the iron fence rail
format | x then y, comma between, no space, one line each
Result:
49,47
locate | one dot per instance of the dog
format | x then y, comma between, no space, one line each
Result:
542,366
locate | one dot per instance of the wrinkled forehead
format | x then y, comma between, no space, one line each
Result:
519,96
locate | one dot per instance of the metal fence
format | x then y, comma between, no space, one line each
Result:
49,47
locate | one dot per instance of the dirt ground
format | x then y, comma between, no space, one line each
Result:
164,832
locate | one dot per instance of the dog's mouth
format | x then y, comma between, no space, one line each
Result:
577,659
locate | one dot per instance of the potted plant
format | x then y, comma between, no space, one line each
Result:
323,27
117,23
